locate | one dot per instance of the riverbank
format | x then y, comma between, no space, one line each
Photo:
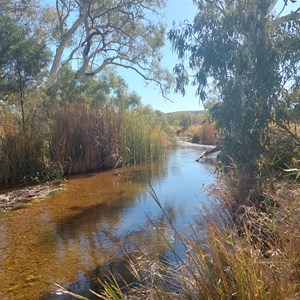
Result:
12,198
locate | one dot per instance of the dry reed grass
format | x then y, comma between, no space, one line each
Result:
205,134
21,151
75,139
84,139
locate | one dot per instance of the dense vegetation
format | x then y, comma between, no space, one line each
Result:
55,117
249,56
61,120
76,139
195,127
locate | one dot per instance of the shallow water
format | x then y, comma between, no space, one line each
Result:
68,237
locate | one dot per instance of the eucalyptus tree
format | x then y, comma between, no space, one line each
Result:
22,59
95,34
250,55
91,35
122,97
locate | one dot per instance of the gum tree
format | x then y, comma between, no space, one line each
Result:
251,57
120,33
96,91
91,35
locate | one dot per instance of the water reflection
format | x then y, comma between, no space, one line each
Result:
68,237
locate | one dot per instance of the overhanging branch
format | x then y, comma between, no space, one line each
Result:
144,77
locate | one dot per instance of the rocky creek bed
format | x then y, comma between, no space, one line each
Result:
12,198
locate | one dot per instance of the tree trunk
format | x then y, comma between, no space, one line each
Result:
209,151
22,94
61,48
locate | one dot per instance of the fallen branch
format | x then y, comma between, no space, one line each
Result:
209,151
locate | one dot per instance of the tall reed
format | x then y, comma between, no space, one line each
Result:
82,139
75,139
21,150
143,139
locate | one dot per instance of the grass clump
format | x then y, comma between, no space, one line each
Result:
143,138
205,134
22,152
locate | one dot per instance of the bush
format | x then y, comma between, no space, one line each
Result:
205,135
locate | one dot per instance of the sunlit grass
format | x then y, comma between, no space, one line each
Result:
143,139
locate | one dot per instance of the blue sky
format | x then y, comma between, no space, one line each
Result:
176,10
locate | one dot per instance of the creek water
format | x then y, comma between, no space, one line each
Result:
70,237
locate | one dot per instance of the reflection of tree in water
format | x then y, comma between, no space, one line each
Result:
131,245
89,225
108,212
145,173
90,234
85,219
127,183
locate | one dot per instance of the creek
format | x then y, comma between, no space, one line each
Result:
70,237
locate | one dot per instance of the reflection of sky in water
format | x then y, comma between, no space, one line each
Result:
95,220
180,192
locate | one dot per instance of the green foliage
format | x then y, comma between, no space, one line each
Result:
281,158
185,120
196,117
294,102
96,91
22,56
253,61
22,59
143,138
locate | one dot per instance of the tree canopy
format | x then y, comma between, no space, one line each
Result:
96,91
22,58
96,34
91,35
247,54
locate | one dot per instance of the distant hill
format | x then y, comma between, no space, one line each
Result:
192,112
